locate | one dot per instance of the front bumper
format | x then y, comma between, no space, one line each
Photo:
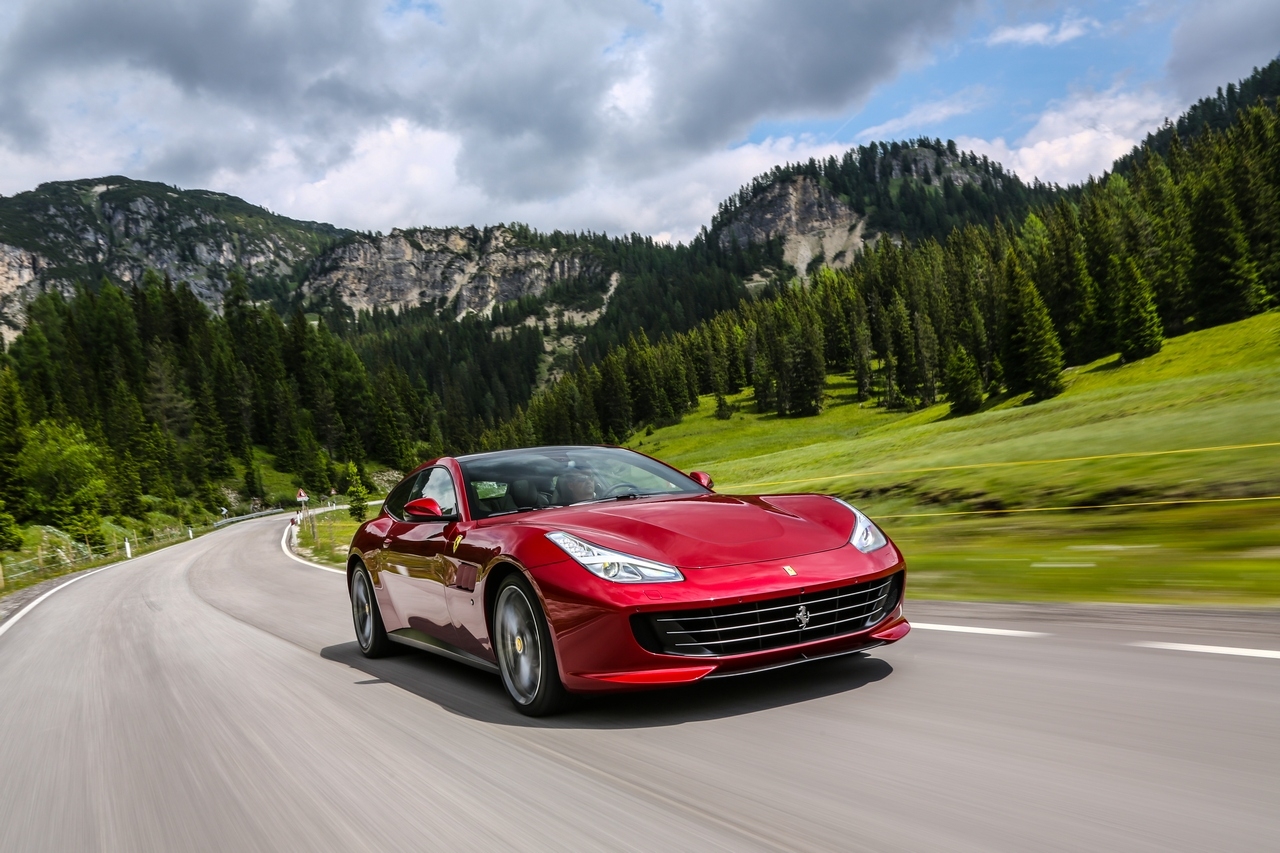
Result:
597,648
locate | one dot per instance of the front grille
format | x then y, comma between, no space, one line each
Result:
735,629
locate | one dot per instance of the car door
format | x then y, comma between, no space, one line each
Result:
414,568
465,561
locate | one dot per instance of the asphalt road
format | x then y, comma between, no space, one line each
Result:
211,697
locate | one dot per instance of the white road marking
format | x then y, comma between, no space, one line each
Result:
1211,650
24,611
968,629
284,546
1063,565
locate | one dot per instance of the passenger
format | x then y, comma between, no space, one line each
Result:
576,485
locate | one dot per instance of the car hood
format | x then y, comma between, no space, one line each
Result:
705,531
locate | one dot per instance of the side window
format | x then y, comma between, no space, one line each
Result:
437,483
400,496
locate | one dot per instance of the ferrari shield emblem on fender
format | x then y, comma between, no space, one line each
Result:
789,570
802,617
457,540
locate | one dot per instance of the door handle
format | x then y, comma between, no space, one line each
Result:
386,543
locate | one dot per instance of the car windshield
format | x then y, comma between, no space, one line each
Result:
513,481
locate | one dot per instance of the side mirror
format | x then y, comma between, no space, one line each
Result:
423,509
702,478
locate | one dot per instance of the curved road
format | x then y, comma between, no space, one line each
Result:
210,697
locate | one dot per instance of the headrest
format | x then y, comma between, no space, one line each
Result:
523,493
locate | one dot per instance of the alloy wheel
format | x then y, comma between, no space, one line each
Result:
362,610
519,645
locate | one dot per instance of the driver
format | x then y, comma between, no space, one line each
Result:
576,485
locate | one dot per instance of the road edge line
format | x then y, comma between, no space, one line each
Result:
8,623
967,629
284,546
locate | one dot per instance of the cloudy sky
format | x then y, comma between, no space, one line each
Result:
613,115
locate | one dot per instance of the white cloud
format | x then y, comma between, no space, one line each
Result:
1068,29
1080,136
928,114
488,110
402,175
1220,41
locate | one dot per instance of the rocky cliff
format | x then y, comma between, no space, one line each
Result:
467,269
78,231
813,222
19,284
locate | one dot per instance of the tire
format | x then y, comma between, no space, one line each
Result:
370,633
526,657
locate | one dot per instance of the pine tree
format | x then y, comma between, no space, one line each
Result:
860,343
1224,277
1072,296
1138,329
807,367
1034,355
905,370
217,454
926,342
648,400
1171,239
126,487
13,427
964,383
675,382
357,494
252,487
765,359
613,401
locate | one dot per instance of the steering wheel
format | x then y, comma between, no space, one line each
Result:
616,489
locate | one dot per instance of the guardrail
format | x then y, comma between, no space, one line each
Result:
233,519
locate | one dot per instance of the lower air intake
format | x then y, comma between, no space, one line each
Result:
736,629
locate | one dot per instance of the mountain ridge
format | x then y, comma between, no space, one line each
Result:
64,232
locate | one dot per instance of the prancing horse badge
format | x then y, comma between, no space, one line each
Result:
457,540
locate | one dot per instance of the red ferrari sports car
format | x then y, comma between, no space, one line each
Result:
585,569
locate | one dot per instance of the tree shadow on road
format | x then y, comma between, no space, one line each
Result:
468,692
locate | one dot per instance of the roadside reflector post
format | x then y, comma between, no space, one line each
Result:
128,552
190,534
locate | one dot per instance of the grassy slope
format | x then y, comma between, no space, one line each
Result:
1210,388
334,531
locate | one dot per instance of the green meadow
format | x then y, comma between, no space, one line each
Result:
979,503
331,539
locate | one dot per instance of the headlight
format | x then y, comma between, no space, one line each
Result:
613,565
866,536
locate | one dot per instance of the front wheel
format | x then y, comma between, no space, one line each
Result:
370,633
526,657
